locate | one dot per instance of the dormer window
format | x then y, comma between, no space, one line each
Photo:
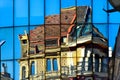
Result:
51,42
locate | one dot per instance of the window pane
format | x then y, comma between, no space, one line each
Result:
55,65
68,11
105,65
84,2
49,65
7,48
21,12
113,17
18,46
52,9
67,3
33,68
23,72
6,13
99,15
6,69
96,64
36,12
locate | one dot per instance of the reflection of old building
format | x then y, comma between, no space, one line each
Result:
74,49
4,74
117,58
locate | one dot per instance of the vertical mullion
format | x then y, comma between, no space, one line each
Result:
13,44
76,36
0,59
92,38
60,43
108,41
29,67
45,60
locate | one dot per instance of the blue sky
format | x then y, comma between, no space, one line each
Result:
21,20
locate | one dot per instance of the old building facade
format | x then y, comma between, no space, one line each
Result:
74,50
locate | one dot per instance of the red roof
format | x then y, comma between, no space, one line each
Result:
52,28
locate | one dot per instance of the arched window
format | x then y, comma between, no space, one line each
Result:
23,72
48,65
33,68
55,65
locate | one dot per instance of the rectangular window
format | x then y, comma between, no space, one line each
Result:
6,13
49,65
21,12
33,68
52,64
36,12
23,73
50,43
55,65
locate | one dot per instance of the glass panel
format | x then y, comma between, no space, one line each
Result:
67,3
36,12
6,69
19,31
16,70
99,15
84,2
87,29
113,16
113,35
21,12
52,35
68,11
100,35
52,11
36,39
6,13
7,48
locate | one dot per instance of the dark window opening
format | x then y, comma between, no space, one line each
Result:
23,72
50,43
24,41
